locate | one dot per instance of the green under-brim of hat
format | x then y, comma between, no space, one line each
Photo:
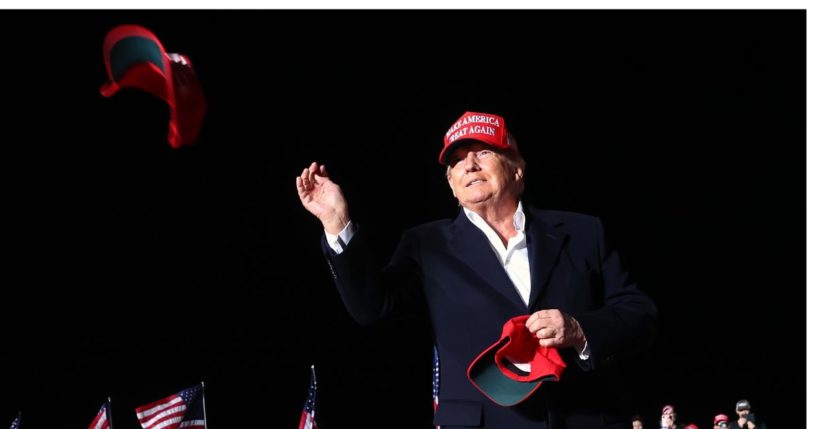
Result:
489,379
135,49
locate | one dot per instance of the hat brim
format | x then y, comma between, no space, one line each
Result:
446,152
134,57
489,379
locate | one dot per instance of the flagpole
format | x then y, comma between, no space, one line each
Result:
109,413
315,399
203,405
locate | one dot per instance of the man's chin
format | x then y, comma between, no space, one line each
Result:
475,203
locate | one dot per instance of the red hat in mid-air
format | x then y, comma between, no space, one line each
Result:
134,57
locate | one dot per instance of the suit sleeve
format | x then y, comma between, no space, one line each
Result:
626,323
368,291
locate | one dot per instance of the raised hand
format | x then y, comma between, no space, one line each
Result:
323,198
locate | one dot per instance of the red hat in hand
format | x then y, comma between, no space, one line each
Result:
494,374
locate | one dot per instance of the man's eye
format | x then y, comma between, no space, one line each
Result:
483,153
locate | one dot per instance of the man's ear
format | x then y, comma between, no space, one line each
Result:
451,185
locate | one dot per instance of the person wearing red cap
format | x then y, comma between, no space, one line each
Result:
498,259
721,421
669,418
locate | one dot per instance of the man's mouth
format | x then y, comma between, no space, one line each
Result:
474,182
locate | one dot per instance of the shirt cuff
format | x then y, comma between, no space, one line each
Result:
338,242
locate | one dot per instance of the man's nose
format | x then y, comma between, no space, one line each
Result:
471,162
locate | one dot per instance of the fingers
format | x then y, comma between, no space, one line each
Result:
304,181
313,172
551,337
544,318
299,186
556,329
318,173
313,175
548,332
548,326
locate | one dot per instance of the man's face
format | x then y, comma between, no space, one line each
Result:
638,425
668,418
742,412
481,176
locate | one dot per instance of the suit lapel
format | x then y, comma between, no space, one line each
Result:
472,247
544,245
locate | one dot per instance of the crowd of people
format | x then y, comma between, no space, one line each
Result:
669,419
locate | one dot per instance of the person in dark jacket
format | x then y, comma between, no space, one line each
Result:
746,419
499,258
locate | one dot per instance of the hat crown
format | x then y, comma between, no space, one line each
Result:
483,127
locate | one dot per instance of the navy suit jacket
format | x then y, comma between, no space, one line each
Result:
449,268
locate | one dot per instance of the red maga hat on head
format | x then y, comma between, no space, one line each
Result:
134,57
721,418
494,374
484,127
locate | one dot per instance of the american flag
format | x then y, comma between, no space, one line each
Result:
17,423
102,419
308,414
181,410
435,386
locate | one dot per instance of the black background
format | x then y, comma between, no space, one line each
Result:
133,270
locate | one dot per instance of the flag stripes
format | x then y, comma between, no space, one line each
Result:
102,420
180,410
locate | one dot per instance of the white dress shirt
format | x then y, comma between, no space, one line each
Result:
514,258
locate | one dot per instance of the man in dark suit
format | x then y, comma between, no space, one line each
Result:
497,259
